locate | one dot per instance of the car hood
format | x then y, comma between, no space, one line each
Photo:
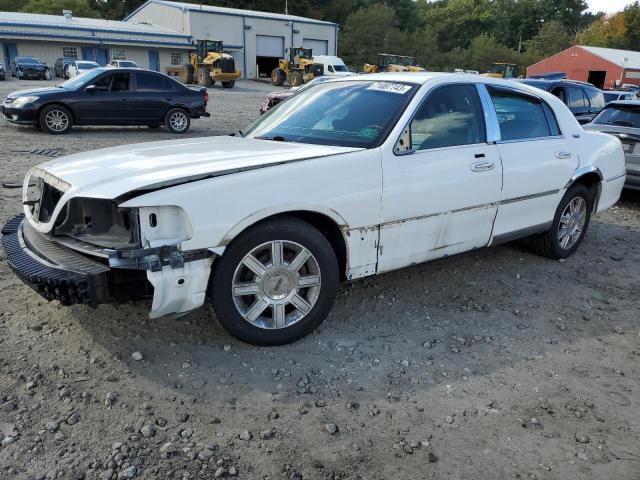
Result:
34,91
130,169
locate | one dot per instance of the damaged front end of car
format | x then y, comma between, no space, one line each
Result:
84,250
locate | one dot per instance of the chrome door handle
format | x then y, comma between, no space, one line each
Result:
481,166
563,154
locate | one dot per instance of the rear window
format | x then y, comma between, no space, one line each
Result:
620,115
595,97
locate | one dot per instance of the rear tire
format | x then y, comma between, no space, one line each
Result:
284,310
277,76
229,84
177,120
204,79
569,225
55,119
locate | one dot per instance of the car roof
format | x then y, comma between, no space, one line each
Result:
541,83
619,92
623,103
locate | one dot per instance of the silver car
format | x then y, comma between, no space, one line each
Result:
622,119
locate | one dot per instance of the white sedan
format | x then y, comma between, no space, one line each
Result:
79,67
348,178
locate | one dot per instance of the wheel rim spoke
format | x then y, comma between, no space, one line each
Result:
258,307
300,303
253,264
300,259
309,281
276,254
246,289
279,319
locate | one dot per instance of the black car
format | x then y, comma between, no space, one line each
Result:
583,99
60,66
29,68
109,96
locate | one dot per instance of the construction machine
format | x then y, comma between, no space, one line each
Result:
502,70
209,64
393,63
297,69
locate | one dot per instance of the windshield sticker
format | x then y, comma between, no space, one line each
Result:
398,88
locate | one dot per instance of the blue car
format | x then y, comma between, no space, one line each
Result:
29,68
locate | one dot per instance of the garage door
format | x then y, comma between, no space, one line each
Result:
319,47
269,46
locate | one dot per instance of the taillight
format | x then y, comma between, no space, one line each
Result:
206,97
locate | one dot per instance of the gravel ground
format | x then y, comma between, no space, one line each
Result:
489,365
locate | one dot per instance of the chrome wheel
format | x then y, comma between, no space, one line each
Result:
572,222
178,121
57,120
276,284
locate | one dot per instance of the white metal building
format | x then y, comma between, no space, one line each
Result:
48,37
255,39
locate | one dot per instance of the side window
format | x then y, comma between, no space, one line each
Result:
103,83
148,82
520,116
559,92
121,82
449,116
576,98
330,68
596,97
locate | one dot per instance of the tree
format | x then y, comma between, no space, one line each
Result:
361,39
551,39
605,32
631,19
80,8
484,50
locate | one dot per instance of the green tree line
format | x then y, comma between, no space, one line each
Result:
441,34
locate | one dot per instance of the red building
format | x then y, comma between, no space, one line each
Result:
603,67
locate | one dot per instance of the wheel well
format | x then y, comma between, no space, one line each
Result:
325,225
592,181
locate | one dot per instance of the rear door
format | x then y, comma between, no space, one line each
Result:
152,97
578,103
537,161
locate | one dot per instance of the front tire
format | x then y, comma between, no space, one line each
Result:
275,283
177,120
55,119
47,74
569,225
295,78
277,76
204,79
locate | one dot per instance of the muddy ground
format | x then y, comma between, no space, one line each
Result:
489,365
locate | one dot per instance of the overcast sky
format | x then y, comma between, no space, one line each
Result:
609,6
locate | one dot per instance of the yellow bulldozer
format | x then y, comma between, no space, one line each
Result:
393,63
502,70
209,64
297,69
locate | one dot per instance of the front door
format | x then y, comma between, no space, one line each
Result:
154,60
10,52
110,102
537,160
442,185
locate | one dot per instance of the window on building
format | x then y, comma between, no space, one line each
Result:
70,52
176,58
118,54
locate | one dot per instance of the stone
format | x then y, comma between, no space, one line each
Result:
73,418
449,419
245,435
187,433
137,356
582,438
148,431
220,472
431,458
106,475
129,472
267,434
168,448
52,426
332,428
233,471
111,398
205,455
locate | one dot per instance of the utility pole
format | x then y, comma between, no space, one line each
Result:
286,7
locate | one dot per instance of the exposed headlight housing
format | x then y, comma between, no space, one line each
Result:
22,101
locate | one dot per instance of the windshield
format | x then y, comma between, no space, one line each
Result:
77,82
620,115
346,114
340,68
28,60
87,65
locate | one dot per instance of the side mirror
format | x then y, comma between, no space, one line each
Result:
91,89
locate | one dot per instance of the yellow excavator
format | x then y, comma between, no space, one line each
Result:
297,69
502,70
209,64
393,63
